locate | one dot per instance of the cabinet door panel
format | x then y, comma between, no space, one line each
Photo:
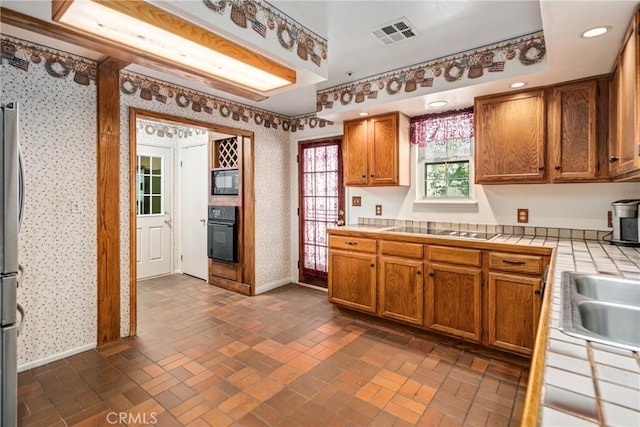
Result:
453,302
355,153
627,108
572,131
512,312
510,138
352,280
401,290
383,151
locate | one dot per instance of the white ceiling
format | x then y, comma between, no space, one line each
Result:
446,27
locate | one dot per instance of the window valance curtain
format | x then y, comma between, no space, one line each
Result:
441,127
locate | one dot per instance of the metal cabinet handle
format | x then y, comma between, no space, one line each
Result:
372,176
418,273
373,265
541,168
613,159
351,243
203,220
506,261
557,167
364,176
537,292
430,274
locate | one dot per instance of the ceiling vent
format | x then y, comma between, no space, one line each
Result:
395,31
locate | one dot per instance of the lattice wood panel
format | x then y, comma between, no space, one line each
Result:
226,153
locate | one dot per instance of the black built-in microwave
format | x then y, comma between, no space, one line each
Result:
224,182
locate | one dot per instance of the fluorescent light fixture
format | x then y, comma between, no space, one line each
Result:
144,27
437,104
517,85
363,114
595,32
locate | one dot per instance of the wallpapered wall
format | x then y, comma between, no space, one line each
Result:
271,194
58,237
58,240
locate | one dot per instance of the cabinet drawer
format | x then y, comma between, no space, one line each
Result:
402,249
472,257
528,264
354,243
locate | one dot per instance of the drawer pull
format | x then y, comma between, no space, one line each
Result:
351,243
418,273
506,261
430,274
373,265
537,292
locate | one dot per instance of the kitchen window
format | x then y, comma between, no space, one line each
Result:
445,155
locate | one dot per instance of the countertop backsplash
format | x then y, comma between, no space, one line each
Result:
562,233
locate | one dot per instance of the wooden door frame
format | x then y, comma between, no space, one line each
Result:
248,239
341,200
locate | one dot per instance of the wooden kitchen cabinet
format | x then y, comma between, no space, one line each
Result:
400,281
376,151
352,273
401,289
624,129
512,311
513,300
510,138
573,136
550,134
453,297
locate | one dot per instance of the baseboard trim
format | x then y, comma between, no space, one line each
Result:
56,357
310,286
272,285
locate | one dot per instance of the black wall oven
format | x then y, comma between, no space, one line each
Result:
222,233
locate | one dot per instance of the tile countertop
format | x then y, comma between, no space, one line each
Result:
581,383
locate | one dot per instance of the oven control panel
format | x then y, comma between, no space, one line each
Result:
223,213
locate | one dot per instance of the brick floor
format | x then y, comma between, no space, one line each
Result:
208,357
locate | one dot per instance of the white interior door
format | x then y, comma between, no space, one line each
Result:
193,192
153,202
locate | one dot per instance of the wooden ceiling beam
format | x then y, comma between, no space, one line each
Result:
123,53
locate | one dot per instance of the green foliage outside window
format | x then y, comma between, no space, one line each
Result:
447,179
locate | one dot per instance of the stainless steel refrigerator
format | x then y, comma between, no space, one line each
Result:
11,206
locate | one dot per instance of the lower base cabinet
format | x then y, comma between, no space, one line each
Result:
483,295
401,290
453,301
352,280
513,310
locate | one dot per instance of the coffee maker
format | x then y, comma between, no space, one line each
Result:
626,222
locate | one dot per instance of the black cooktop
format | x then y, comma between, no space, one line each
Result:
476,235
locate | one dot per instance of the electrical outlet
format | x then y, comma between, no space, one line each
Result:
356,201
523,216
378,210
609,219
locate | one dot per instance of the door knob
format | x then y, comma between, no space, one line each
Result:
202,220
167,221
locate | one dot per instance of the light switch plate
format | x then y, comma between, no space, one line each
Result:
523,216
378,210
356,201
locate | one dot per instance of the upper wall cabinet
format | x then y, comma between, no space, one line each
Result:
624,129
376,151
572,137
551,134
510,138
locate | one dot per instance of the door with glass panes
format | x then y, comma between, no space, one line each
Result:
153,206
321,203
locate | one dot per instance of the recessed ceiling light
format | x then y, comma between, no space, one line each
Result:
517,85
364,114
436,104
595,32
